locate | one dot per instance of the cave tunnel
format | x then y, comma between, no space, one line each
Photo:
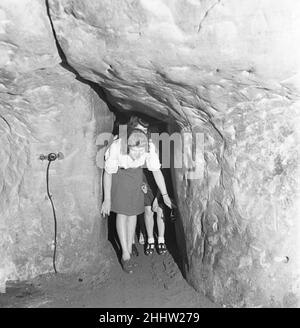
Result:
174,235
224,71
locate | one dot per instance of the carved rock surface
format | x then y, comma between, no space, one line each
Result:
229,70
44,109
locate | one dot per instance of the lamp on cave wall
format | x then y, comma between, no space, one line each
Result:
52,157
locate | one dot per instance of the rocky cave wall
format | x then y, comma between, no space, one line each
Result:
44,108
226,69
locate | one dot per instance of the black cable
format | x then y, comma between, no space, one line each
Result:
54,216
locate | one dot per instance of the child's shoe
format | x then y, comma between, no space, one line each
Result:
161,249
149,249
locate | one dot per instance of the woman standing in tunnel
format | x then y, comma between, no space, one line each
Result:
123,179
151,192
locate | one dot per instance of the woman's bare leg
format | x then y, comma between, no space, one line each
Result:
121,225
131,225
142,232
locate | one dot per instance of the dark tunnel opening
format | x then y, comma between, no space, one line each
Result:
174,232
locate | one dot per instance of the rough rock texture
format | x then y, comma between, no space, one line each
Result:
230,70
43,109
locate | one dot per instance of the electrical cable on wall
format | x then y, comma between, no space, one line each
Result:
52,157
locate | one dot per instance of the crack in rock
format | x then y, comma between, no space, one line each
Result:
206,14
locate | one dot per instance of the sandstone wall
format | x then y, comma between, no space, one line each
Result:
43,109
229,69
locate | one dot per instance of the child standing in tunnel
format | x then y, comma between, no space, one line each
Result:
151,206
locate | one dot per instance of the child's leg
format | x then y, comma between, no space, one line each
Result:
160,226
121,224
133,237
149,223
161,247
131,225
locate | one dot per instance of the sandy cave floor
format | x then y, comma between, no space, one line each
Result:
156,283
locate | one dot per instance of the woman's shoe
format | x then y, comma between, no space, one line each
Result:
149,249
161,249
127,266
134,250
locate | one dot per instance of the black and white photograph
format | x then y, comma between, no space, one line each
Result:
149,157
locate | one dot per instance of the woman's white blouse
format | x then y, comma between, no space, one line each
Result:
114,159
